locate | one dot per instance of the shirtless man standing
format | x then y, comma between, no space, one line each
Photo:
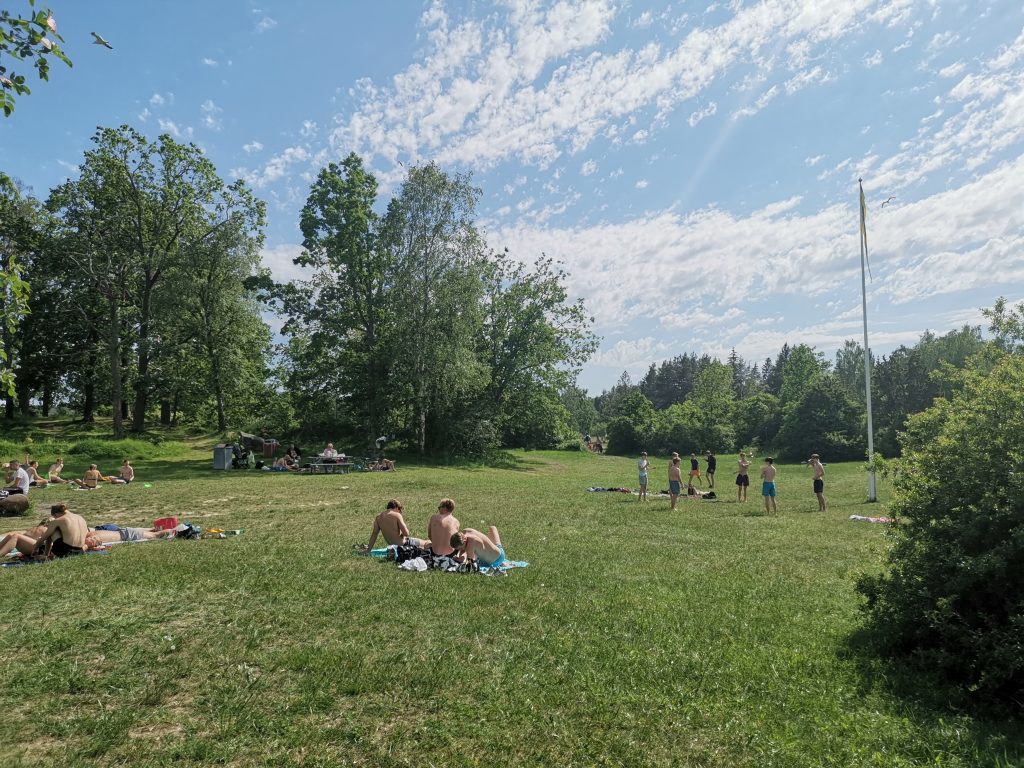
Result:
675,481
442,527
473,545
391,523
742,479
768,484
819,480
64,535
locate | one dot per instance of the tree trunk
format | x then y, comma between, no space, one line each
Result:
9,409
89,401
142,380
114,351
24,395
47,399
165,412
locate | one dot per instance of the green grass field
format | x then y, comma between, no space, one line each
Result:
712,636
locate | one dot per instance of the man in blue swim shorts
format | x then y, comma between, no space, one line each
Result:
675,480
768,484
473,545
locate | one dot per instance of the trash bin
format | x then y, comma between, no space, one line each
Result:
222,457
269,447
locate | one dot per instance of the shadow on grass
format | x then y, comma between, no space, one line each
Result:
995,732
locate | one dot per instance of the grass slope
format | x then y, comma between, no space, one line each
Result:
712,636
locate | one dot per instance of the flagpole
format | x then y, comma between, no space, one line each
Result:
867,350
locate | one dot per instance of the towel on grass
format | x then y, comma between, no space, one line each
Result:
862,519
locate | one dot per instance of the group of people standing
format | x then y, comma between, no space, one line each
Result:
768,472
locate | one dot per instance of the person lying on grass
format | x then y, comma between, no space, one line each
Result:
97,537
64,535
442,526
472,545
23,541
391,523
90,479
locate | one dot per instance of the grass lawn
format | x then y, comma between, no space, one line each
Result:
712,636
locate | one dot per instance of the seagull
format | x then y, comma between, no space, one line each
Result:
891,198
100,41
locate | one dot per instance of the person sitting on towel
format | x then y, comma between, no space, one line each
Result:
473,545
126,476
64,535
391,523
17,477
90,479
442,526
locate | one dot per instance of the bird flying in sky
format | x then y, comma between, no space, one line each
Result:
100,41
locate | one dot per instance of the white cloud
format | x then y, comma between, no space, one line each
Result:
210,62
171,127
144,114
309,129
212,115
588,168
644,20
813,161
953,70
156,100
873,60
279,259
642,184
532,83
708,111
251,147
265,23
275,168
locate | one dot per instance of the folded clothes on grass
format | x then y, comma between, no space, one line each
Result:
405,555
862,519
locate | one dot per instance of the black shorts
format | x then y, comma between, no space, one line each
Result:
819,485
60,549
743,480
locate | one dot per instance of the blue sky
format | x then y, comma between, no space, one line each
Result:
694,165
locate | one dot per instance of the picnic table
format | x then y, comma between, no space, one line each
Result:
326,465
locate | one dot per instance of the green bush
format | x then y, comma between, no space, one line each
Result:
953,599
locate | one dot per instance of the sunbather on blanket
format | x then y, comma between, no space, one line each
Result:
23,541
391,523
473,545
128,534
90,479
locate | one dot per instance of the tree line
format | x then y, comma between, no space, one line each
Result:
141,297
794,404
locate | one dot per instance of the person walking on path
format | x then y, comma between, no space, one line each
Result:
768,485
819,480
643,465
743,478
